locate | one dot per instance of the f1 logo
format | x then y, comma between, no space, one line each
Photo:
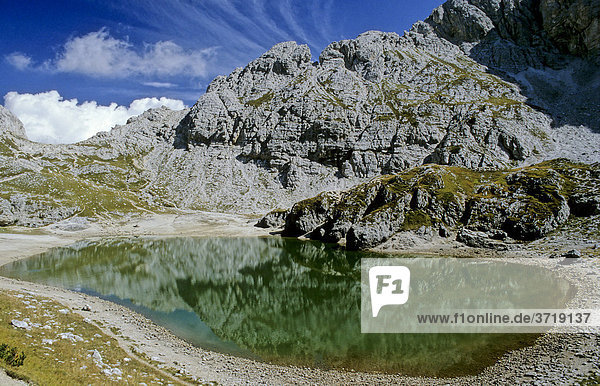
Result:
388,285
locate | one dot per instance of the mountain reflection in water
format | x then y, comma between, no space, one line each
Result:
279,300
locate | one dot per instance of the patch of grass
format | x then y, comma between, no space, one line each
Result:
415,219
60,347
454,149
7,146
266,98
384,117
60,190
11,355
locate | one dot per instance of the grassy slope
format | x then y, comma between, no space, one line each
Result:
52,360
96,187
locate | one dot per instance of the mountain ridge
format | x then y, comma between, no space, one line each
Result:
284,128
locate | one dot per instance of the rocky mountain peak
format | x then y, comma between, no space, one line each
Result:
274,66
284,58
364,55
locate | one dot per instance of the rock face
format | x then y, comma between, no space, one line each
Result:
145,165
480,84
382,103
546,26
537,44
572,25
377,104
44,184
523,204
10,125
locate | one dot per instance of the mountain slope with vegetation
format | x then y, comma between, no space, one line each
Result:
479,84
519,204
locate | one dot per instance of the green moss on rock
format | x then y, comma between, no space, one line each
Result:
526,202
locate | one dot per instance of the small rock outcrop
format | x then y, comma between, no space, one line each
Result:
520,204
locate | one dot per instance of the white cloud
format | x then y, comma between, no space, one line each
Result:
98,54
49,118
159,84
19,60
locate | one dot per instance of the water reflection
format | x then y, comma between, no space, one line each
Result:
281,300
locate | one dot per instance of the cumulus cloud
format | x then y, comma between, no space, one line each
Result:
49,118
98,54
19,60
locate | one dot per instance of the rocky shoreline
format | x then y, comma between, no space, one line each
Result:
555,358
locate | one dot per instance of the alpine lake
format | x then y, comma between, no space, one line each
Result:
272,299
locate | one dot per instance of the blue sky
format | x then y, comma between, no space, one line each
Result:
117,51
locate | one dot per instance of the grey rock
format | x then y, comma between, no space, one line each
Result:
572,254
25,210
354,205
6,216
572,25
20,323
10,124
497,235
73,224
460,20
273,219
334,114
443,231
586,204
474,239
375,228
569,261
307,215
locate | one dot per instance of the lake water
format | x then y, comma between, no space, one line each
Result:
277,300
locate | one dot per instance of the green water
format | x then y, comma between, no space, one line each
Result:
276,300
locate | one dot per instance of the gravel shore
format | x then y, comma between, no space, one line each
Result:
555,358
